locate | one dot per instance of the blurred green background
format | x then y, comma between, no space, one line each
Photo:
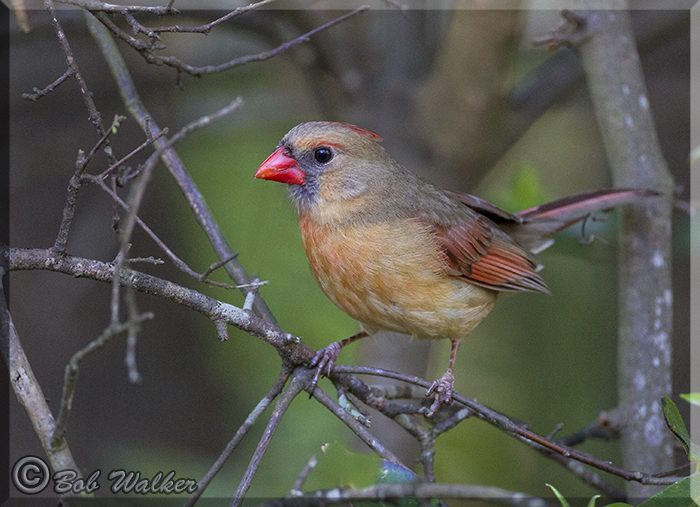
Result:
455,96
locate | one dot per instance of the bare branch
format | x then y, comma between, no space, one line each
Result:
202,122
146,50
73,368
29,393
605,427
611,63
218,264
68,209
205,29
426,490
116,122
194,198
94,114
45,91
182,265
46,259
134,324
504,423
98,6
123,178
303,475
242,430
295,387
354,425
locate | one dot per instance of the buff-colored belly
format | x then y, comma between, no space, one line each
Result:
403,289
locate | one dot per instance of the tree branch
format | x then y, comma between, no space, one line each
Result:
417,490
504,423
616,84
242,431
30,395
46,259
146,50
285,399
177,169
354,426
94,114
96,5
73,368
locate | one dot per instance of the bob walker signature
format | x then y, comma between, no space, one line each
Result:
31,475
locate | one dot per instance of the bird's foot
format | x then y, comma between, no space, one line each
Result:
323,361
441,389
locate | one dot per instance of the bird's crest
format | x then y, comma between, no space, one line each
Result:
359,130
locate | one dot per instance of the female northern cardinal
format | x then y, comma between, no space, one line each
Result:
395,252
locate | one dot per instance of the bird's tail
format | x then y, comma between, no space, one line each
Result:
538,222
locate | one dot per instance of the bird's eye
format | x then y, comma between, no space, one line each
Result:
323,155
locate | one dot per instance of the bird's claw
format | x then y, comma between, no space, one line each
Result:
441,389
323,361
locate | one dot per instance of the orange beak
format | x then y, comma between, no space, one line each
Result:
281,167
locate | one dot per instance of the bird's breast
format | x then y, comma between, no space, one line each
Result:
391,275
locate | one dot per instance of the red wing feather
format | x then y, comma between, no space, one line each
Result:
474,254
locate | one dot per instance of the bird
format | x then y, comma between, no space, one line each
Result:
398,253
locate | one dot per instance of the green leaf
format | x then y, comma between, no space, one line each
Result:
675,423
692,398
591,502
559,496
684,493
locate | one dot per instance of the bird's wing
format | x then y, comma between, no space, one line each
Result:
484,207
479,253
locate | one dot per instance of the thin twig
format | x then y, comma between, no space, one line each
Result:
504,423
242,431
96,5
354,426
295,387
201,123
595,429
116,122
171,61
74,185
122,161
451,422
410,425
417,490
45,91
218,265
94,115
179,263
30,395
177,169
78,267
205,29
73,369
303,475
131,336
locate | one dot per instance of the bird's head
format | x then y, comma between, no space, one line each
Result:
326,161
